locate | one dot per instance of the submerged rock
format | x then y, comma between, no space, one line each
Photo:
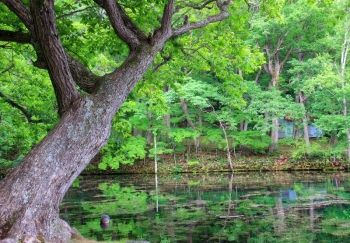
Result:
104,221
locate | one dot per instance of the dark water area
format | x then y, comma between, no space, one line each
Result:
251,207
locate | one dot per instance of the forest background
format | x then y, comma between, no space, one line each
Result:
214,99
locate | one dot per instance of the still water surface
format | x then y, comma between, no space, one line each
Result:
252,207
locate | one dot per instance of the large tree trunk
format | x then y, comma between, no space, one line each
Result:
31,194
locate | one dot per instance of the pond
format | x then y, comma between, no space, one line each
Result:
250,207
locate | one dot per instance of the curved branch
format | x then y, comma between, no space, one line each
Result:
286,57
163,33
83,77
166,59
199,7
167,17
22,12
21,108
74,12
9,68
123,26
47,35
224,13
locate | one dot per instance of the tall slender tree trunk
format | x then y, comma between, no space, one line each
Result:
275,119
189,121
344,55
274,134
155,154
305,122
302,100
228,150
243,125
166,118
273,67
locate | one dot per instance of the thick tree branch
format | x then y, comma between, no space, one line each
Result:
224,13
123,26
15,36
199,7
21,108
22,12
258,76
55,56
167,18
286,57
268,67
83,77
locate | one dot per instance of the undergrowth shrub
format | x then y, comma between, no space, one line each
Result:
315,151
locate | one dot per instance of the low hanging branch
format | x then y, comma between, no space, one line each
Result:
73,13
83,77
165,60
21,108
224,13
9,68
14,104
15,36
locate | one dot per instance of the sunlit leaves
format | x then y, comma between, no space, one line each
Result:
31,89
267,104
254,140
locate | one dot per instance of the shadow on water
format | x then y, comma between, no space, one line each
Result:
251,207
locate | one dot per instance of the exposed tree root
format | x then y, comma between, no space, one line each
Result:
59,232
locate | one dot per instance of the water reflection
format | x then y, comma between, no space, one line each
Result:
253,207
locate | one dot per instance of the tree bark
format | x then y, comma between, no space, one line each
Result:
31,194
